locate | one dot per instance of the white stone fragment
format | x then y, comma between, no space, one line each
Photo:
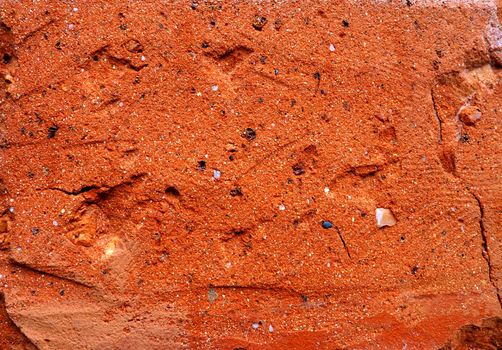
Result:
384,217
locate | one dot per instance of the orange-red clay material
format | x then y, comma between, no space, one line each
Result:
206,174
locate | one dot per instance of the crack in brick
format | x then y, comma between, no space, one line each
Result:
343,242
438,118
484,245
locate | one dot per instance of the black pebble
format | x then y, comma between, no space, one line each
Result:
52,131
249,134
6,58
259,22
236,192
298,169
201,165
317,76
464,138
61,292
35,231
345,23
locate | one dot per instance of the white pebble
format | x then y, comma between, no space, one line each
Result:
270,328
326,189
384,217
332,48
71,26
55,223
214,87
282,207
11,209
143,58
255,325
216,174
75,9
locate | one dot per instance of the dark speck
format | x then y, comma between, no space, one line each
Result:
236,192
317,76
205,45
259,22
194,5
35,231
6,58
464,138
201,165
298,169
276,71
304,298
249,134
61,292
173,191
327,225
52,131
414,270
345,23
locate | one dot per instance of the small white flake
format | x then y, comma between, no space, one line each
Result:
384,217
71,26
326,190
282,207
11,209
143,58
270,328
255,325
332,48
55,223
216,174
214,87
75,9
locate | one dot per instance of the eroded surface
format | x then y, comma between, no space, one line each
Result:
168,173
